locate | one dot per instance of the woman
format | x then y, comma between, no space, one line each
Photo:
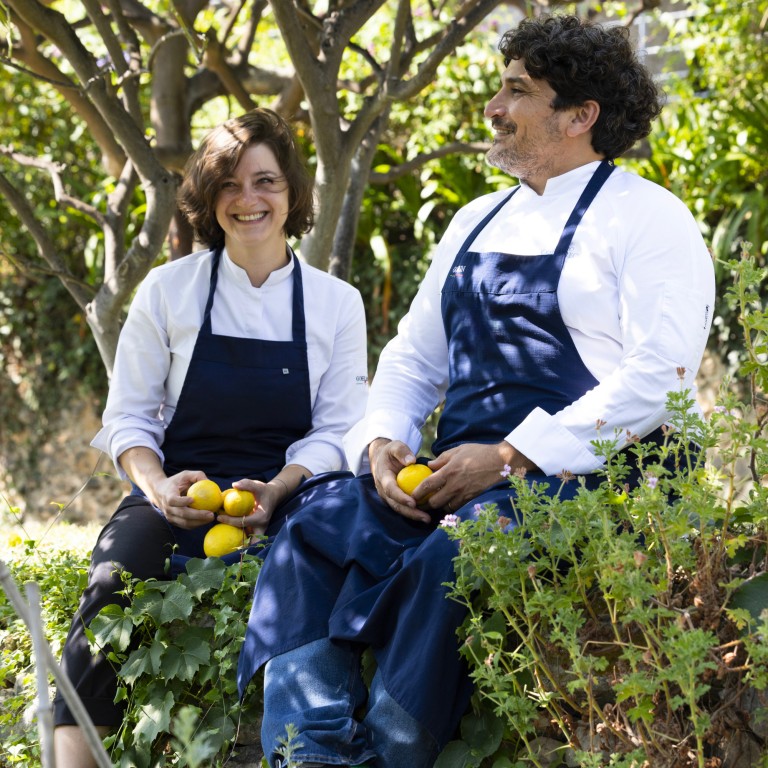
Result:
236,364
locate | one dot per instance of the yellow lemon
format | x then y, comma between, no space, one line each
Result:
206,495
409,477
223,539
238,503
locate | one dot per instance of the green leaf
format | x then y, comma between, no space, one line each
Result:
196,652
483,732
154,719
112,627
204,575
456,754
138,663
166,602
752,595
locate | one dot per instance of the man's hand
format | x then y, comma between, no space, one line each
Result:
464,472
387,458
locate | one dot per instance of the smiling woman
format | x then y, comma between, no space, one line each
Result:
251,367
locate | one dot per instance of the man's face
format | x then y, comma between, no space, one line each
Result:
528,132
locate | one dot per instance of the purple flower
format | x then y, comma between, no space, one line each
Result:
450,521
506,471
651,481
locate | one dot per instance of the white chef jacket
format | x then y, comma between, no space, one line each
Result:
159,335
636,294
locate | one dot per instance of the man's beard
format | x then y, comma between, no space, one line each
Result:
524,157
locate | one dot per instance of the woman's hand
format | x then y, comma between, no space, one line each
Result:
169,496
267,497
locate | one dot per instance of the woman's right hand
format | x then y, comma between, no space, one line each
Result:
169,496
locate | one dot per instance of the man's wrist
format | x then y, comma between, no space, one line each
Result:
512,458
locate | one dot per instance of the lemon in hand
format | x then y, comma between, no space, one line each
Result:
205,494
237,503
223,539
409,477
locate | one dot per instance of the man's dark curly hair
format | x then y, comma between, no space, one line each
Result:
583,61
216,159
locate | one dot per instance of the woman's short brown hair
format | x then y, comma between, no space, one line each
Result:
216,159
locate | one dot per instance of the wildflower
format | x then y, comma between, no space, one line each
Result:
632,437
599,424
681,372
504,521
477,510
531,572
489,660
520,472
651,481
640,558
450,521
507,471
566,476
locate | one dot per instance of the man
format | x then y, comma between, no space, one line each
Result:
573,303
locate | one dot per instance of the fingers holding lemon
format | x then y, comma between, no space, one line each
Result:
410,477
237,503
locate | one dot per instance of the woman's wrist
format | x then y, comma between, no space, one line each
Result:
282,482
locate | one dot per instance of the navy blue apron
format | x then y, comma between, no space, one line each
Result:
243,403
350,568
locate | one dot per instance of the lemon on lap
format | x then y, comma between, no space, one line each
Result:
205,494
223,539
408,478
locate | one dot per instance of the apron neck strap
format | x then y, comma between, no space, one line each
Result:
206,326
599,177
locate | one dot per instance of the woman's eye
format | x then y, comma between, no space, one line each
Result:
227,184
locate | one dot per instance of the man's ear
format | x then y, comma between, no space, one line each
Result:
583,118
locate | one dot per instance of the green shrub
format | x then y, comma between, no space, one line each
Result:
177,644
61,573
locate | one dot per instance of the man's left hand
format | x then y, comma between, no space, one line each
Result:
464,472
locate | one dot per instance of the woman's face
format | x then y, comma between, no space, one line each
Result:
253,203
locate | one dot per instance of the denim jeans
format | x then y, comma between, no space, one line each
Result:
319,689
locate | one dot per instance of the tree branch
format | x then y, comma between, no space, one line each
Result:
45,247
455,148
54,171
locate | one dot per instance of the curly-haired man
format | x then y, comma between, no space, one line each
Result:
578,298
